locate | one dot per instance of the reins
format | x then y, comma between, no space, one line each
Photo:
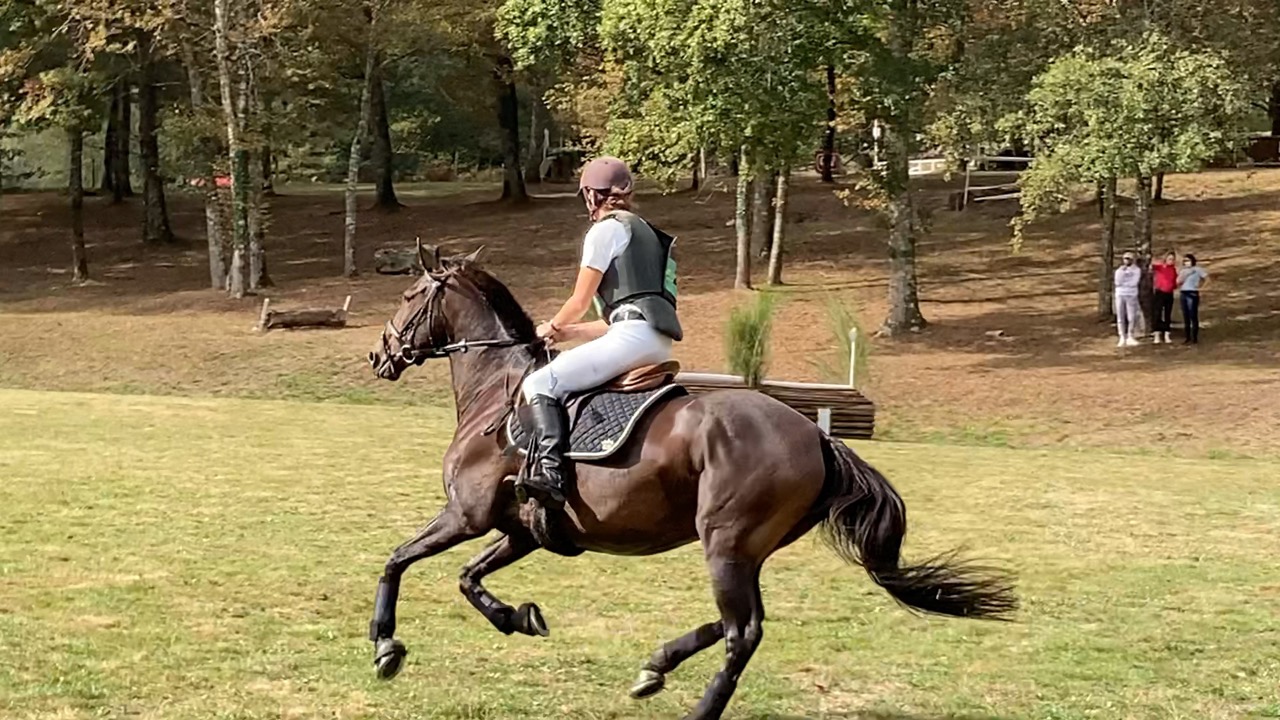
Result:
428,314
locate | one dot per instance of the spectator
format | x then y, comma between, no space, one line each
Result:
1128,312
1165,281
1191,280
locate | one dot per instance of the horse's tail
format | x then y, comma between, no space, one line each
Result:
865,524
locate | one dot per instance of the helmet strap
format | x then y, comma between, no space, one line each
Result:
594,199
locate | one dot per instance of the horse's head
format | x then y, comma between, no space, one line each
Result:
453,307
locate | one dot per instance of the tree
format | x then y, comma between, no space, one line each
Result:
690,74
909,47
357,144
829,138
122,32
383,152
75,184
508,100
1146,108
155,228
203,144
60,88
779,228
742,229
233,113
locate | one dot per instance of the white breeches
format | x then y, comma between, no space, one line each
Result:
1128,315
626,346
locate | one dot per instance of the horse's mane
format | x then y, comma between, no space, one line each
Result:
514,319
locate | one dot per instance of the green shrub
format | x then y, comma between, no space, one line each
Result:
747,339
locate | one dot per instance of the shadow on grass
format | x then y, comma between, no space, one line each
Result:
876,715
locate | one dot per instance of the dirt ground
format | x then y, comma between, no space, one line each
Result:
1054,377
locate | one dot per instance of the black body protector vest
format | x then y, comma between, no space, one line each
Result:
643,276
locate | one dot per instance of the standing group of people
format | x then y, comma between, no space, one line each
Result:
1167,279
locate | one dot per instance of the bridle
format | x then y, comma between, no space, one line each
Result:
428,314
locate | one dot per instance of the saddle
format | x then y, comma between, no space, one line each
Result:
602,419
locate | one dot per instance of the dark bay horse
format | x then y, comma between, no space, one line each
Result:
736,470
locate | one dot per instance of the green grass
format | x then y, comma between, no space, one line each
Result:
178,558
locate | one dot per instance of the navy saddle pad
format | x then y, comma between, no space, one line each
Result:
600,422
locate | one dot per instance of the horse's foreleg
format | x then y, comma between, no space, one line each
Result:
736,582
501,553
444,531
668,657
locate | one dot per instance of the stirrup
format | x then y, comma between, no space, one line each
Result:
544,492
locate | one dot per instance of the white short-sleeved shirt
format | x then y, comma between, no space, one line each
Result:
605,241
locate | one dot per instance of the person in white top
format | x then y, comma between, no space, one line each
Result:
1128,310
628,272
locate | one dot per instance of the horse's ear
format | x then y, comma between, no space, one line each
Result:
471,257
428,256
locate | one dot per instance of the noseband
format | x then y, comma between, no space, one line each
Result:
428,314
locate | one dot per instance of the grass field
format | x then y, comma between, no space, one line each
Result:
216,558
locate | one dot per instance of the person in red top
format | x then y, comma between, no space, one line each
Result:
1164,279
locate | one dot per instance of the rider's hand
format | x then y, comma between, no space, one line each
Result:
547,331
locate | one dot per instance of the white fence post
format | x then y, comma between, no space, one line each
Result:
853,357
824,419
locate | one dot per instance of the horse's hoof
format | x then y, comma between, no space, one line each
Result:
388,657
529,621
650,683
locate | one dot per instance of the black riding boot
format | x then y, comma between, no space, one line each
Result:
548,469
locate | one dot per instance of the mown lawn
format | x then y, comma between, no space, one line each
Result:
182,558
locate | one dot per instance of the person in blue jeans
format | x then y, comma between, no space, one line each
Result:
1191,279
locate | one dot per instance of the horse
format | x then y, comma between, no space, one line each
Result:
736,470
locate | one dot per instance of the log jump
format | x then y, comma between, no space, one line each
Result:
849,413
308,317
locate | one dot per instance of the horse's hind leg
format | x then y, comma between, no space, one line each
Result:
736,581
668,657
443,532
501,553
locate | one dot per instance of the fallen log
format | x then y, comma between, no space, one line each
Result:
307,317
852,414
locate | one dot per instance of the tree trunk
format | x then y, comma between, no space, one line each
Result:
110,143
779,228
258,219
259,208
353,160
268,171
155,227
213,217
761,213
904,290
829,140
696,182
742,277
513,189
533,158
383,154
75,187
1159,193
238,156
1273,109
1142,244
122,177
1106,267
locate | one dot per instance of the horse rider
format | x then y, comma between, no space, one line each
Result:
628,273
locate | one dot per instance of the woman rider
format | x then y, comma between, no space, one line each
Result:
627,271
